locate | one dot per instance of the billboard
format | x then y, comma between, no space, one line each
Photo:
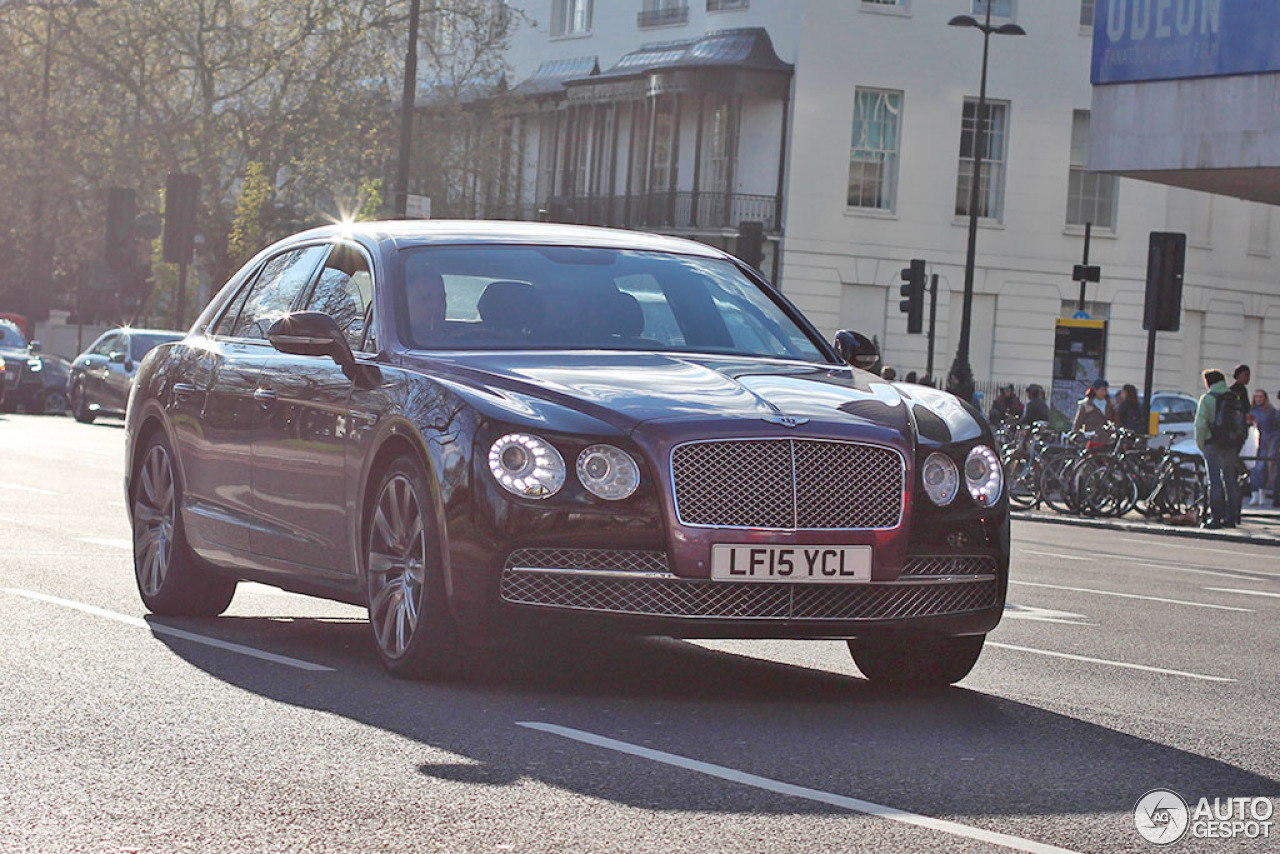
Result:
1137,40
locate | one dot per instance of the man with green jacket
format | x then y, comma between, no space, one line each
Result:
1220,453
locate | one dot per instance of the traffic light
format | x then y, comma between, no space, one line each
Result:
181,197
120,252
913,289
1166,258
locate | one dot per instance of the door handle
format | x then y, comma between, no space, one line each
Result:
264,395
183,390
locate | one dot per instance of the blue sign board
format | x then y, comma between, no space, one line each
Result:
1177,39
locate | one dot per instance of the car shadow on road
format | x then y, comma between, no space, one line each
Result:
945,752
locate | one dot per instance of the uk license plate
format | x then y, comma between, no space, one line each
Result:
800,564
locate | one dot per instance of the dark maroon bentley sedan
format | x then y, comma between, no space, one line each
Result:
475,427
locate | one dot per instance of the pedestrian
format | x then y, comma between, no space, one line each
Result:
1037,407
927,379
1266,418
888,373
1095,410
1220,432
1240,388
911,377
1129,409
1006,406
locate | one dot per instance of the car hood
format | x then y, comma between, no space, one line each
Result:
626,389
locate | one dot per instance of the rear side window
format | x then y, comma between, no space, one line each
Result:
276,290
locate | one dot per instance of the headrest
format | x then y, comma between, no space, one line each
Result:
510,306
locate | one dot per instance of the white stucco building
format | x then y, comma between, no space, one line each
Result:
845,128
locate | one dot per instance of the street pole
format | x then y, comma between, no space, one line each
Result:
408,98
933,322
961,369
1088,233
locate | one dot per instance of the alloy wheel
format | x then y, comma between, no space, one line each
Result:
153,520
397,566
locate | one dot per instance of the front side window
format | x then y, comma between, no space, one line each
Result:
570,17
104,345
552,297
142,343
344,291
276,289
873,154
1091,196
995,145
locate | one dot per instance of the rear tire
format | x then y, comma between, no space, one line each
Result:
53,402
413,628
171,579
917,661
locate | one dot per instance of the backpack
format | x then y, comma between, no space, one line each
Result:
1229,427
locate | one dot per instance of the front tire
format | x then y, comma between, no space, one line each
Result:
413,629
923,661
80,407
171,579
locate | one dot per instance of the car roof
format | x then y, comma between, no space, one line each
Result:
419,232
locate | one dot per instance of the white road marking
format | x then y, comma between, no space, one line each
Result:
1164,545
1245,592
1191,569
1044,615
161,629
23,488
1123,664
1131,596
1058,555
790,790
106,541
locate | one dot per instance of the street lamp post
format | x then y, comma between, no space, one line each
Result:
960,369
407,98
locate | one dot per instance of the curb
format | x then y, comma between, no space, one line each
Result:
1147,528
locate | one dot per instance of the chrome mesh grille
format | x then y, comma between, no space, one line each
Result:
675,597
926,565
788,484
607,560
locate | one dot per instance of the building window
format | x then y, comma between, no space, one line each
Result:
999,8
1086,14
721,5
1259,229
1091,196
873,153
570,17
902,3
995,139
720,144
658,13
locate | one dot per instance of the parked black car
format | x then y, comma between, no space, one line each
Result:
32,380
102,375
475,427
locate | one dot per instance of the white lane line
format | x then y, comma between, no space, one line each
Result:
1244,592
161,629
794,791
1192,569
23,488
1044,615
106,541
1123,664
1057,555
1164,545
1131,596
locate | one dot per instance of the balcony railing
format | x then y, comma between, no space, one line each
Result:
683,211
661,17
719,5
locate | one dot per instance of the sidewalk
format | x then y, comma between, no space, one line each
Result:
1259,526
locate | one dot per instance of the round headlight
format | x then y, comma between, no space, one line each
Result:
608,472
527,466
941,479
984,475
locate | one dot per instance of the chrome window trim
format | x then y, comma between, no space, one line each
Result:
675,500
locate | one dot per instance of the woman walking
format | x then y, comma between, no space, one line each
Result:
1266,418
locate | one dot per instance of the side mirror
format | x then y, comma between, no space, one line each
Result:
856,349
34,347
118,358
311,333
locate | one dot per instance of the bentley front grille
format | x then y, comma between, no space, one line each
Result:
670,596
787,484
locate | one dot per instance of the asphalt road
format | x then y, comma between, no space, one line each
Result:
1126,663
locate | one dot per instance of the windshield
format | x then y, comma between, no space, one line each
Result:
10,337
141,343
549,297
